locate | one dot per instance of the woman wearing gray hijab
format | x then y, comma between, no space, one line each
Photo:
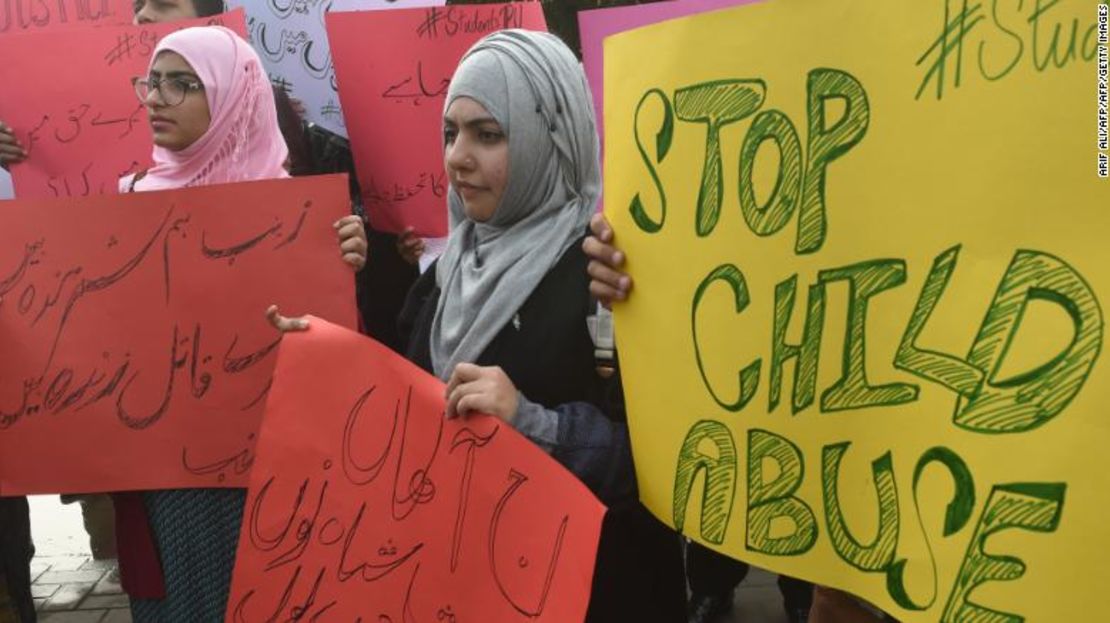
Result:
502,315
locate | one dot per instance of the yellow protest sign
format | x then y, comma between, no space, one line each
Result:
869,243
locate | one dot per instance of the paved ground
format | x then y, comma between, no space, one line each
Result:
758,600
71,587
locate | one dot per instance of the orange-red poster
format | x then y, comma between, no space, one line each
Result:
41,15
393,68
366,504
134,350
69,98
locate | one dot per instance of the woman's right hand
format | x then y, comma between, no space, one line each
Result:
607,282
284,324
11,150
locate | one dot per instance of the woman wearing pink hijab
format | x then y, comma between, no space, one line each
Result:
212,113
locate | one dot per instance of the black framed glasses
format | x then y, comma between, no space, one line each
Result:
172,90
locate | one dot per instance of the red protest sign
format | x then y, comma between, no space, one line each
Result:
38,16
76,113
393,69
366,504
136,354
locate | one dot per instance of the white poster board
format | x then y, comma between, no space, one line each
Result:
290,37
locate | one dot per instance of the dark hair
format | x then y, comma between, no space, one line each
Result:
300,158
208,8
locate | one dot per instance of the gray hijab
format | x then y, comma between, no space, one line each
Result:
532,84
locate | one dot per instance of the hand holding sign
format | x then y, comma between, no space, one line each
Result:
367,504
11,150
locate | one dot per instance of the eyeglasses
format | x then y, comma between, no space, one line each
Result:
172,90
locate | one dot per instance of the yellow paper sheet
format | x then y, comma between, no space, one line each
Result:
914,187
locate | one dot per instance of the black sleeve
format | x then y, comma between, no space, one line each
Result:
413,322
382,287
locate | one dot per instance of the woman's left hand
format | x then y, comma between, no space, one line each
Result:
352,240
481,389
410,246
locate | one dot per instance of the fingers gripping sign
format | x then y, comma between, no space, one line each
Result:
352,241
11,150
283,323
481,389
607,281
410,246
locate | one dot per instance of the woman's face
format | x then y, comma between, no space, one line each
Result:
476,156
161,11
176,127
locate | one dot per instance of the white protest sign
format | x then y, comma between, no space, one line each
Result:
289,35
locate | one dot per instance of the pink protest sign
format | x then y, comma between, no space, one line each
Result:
594,26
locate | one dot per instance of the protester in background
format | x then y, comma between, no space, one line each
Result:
501,316
381,288
214,121
300,161
162,11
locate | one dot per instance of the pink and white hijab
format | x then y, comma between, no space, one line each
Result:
243,141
